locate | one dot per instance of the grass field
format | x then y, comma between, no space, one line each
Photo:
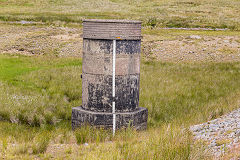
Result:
184,80
40,91
44,90
160,13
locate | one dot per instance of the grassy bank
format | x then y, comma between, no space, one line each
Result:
36,98
39,92
170,91
171,13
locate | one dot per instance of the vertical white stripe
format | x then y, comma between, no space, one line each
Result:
113,86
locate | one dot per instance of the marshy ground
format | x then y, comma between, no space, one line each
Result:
188,77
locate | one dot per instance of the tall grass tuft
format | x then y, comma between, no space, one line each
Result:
4,145
87,134
21,149
176,94
41,143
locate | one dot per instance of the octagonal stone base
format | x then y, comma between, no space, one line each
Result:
136,119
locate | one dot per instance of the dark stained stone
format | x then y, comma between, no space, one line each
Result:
97,70
136,119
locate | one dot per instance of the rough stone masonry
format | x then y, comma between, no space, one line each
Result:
96,109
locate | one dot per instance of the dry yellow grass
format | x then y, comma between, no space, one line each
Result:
176,94
170,13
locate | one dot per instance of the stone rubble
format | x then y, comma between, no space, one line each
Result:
221,134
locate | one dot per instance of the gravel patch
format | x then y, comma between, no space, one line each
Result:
195,48
221,134
67,42
41,40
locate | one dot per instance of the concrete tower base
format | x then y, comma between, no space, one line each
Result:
136,119
111,75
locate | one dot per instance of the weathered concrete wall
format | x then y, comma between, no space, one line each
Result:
97,75
136,119
96,109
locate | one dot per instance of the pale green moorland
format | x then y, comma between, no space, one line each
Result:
37,92
161,13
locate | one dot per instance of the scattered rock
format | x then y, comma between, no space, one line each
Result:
194,37
226,41
221,134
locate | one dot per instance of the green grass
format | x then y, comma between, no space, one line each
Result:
11,67
185,93
33,94
176,94
38,92
14,66
171,13
38,84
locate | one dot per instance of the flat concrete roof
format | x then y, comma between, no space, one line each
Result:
111,21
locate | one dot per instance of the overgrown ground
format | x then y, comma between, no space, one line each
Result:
40,68
187,77
161,13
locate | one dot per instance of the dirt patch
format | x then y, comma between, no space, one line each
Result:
194,48
67,42
66,37
40,40
17,51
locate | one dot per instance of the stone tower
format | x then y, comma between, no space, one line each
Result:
97,75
